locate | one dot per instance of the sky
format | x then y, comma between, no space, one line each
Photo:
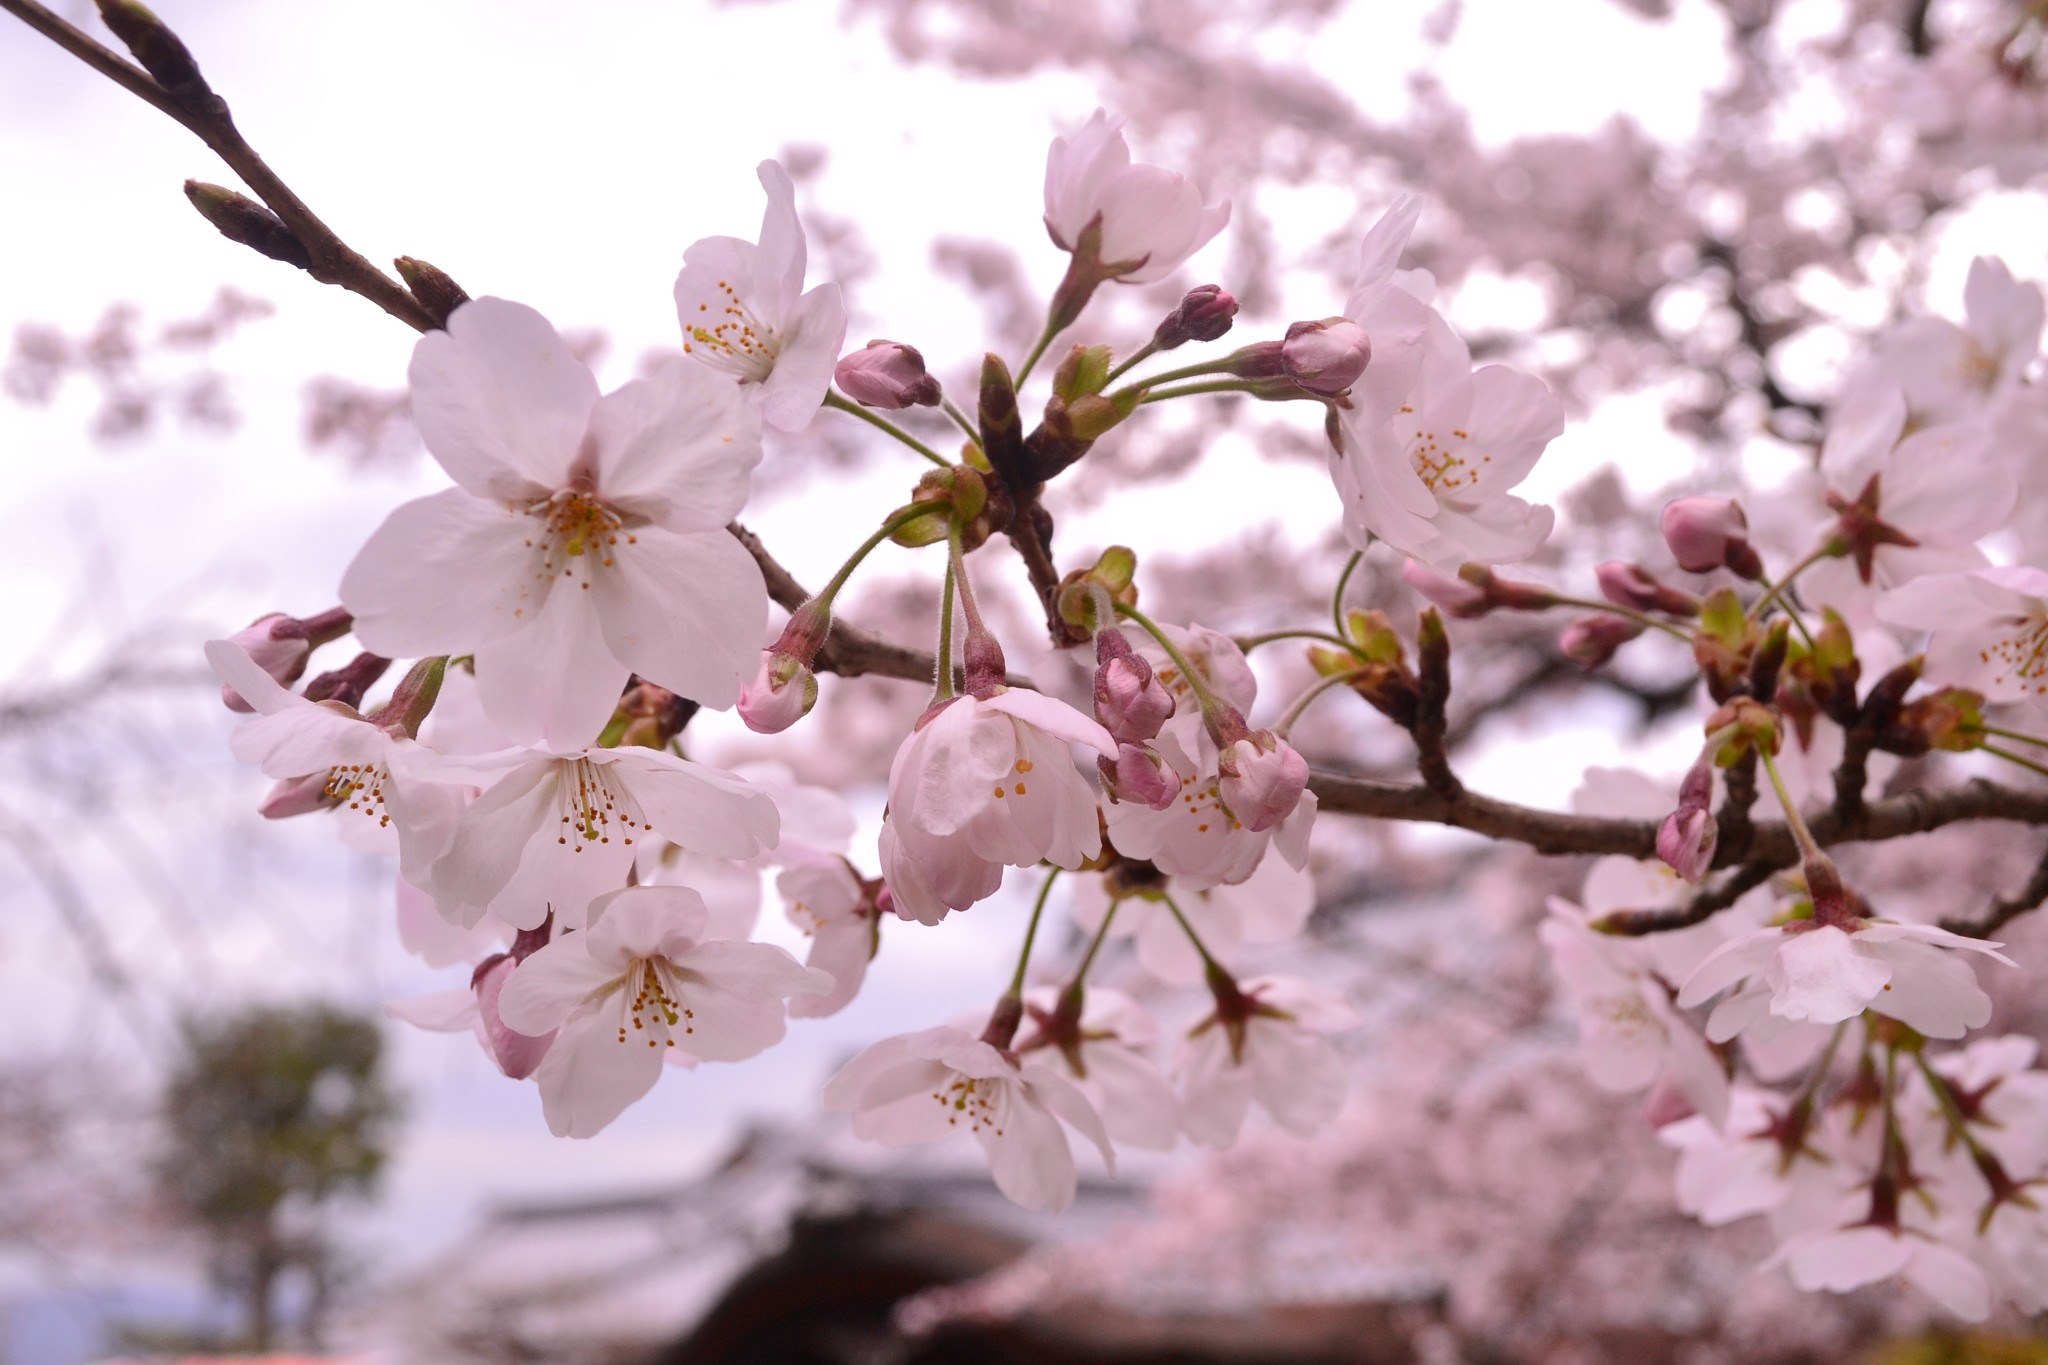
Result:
564,156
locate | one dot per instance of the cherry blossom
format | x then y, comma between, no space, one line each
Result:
1269,906
744,312
1149,220
1947,370
1266,1043
1846,1258
827,901
553,831
585,540
642,980
326,755
1106,1058
1824,974
984,782
1989,626
923,1087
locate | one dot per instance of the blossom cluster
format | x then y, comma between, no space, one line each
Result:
576,596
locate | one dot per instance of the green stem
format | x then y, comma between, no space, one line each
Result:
1031,933
1208,960
1301,703
867,547
1819,1075
834,400
1248,643
1044,340
1148,349
2014,734
1094,947
1957,1124
1343,582
1775,591
1809,847
2012,757
1214,386
942,685
1211,704
1153,381
952,410
1630,613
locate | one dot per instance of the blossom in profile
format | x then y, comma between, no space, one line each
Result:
642,981
585,540
827,901
1148,220
744,312
925,1087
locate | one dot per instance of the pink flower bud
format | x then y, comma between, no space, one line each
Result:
1592,641
886,374
1710,533
1130,701
1325,357
1686,840
1260,779
1138,776
277,644
1204,314
1457,596
781,694
296,796
1631,585
516,1054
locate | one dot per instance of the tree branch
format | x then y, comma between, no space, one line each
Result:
2005,909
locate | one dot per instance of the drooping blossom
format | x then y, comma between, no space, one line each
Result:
1845,1258
981,783
1823,974
327,756
554,831
1268,1044
886,375
1150,219
744,312
1269,906
924,1087
826,900
275,643
585,540
1106,1056
640,981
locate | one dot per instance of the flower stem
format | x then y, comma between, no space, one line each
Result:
1343,582
2014,734
2012,757
1044,340
1248,643
1809,847
1094,947
1958,1126
824,596
1301,703
1208,960
1211,704
1200,371
1630,613
834,400
1774,591
952,410
1148,349
1031,933
1213,386
942,685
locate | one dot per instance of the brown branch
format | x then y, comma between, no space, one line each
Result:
1705,902
2005,909
848,651
187,99
1772,847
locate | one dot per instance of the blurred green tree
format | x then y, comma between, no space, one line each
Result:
271,1113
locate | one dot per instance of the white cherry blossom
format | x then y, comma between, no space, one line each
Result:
1950,371
924,1087
744,312
1274,1049
639,982
825,899
982,783
1108,1062
1990,629
585,540
1824,974
1152,220
553,831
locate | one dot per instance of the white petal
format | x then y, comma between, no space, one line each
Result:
554,681
678,448
589,1076
553,984
686,612
500,400
444,575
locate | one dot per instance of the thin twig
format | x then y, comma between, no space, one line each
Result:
2005,909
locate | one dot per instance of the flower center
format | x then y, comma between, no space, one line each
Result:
576,531
1442,464
359,787
594,806
1204,805
655,1004
978,1103
2022,655
732,338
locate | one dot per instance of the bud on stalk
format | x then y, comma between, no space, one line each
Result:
887,375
